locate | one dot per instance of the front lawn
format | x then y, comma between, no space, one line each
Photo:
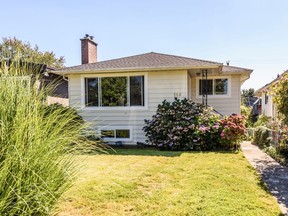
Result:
151,182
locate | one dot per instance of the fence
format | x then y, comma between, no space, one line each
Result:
274,135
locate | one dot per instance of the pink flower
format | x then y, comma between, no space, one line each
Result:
203,129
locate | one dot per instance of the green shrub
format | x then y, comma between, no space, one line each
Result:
249,133
35,141
208,130
174,124
247,113
272,151
283,150
186,125
262,137
263,121
183,125
233,131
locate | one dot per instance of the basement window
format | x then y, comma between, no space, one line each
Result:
116,134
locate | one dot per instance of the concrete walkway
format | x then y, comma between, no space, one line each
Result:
273,174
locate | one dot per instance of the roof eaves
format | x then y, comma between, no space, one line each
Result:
263,88
112,70
238,72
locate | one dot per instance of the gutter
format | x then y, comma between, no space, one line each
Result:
116,70
248,76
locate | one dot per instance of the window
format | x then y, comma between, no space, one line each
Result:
114,91
221,86
205,87
116,134
92,92
137,91
213,87
266,98
108,133
124,134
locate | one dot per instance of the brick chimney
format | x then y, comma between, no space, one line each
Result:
88,49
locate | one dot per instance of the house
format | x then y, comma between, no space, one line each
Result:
117,95
268,108
60,90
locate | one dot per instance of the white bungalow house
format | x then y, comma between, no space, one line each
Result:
117,95
268,107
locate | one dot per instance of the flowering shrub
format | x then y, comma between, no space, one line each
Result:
208,130
186,125
182,125
233,131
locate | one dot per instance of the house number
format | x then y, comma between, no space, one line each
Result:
177,94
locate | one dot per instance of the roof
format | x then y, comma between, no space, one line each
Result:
233,69
147,61
265,87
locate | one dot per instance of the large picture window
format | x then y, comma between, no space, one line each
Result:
213,87
114,91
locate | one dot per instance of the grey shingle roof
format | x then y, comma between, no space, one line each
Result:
233,69
144,61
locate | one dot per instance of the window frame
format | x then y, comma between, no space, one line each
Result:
214,95
110,139
128,75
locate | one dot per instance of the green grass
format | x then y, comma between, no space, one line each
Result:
151,182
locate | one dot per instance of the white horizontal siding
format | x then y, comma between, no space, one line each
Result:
224,105
74,87
159,86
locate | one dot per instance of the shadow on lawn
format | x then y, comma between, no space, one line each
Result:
274,180
153,151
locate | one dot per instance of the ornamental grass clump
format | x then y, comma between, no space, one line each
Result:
35,164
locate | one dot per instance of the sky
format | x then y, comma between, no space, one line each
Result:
247,33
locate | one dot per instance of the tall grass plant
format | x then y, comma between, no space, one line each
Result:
36,166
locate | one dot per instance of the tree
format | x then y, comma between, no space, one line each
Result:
17,50
280,97
247,94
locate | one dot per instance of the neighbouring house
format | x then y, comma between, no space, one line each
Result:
60,92
60,83
268,107
117,95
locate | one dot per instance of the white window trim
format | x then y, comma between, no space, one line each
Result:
214,96
145,107
117,128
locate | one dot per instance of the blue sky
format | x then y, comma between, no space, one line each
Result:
249,33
